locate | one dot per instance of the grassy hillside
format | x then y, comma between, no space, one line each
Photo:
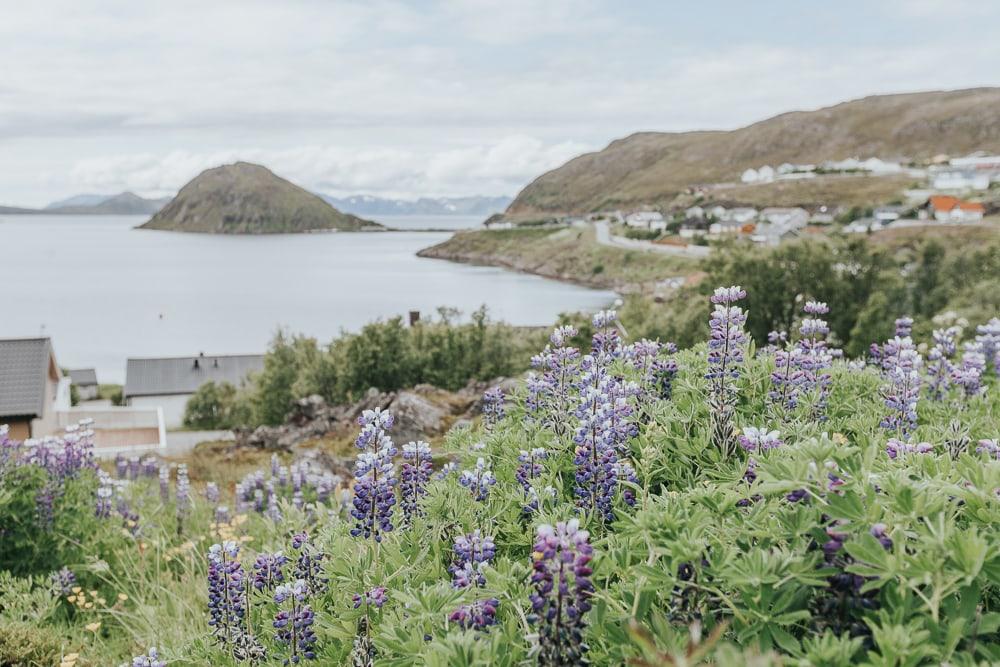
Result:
245,198
565,254
653,167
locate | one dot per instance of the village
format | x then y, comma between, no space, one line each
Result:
958,190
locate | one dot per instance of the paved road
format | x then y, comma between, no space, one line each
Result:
605,237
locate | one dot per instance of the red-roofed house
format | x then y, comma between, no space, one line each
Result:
946,208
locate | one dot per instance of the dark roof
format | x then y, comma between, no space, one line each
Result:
24,366
83,377
183,375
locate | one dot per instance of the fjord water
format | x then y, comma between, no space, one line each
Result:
105,291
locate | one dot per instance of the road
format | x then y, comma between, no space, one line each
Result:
605,237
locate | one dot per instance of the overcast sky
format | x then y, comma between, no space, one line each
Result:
432,98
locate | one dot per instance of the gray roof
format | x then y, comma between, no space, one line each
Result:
83,377
24,365
183,375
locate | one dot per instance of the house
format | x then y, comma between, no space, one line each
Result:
877,166
85,381
772,234
727,227
792,218
960,179
977,161
765,174
498,223
32,388
646,220
864,225
887,214
168,383
824,215
694,213
718,212
786,168
740,215
750,176
946,208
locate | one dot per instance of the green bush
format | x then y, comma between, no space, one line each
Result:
211,407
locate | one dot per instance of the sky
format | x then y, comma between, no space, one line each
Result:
456,97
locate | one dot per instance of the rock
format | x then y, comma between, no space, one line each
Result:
416,418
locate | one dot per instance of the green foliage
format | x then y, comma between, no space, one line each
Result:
211,407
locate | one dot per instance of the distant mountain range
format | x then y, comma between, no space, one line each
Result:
373,206
653,168
245,198
126,203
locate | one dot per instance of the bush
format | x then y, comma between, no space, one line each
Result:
211,407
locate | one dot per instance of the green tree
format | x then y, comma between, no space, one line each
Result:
211,406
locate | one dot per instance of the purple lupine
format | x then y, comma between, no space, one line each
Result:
787,378
164,477
105,491
478,480
150,658
902,392
880,532
479,614
446,470
939,364
904,327
294,621
595,458
561,578
897,448
988,335
150,467
375,426
969,373
121,466
414,476
493,408
182,500
227,604
309,564
374,488
606,340
760,439
221,515
530,466
62,581
620,424
990,447
726,351
533,498
814,358
549,392
269,570
273,511
472,553
212,493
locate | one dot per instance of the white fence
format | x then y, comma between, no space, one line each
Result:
121,430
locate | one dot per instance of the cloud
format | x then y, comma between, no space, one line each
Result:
500,167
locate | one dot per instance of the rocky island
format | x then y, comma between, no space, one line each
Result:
245,198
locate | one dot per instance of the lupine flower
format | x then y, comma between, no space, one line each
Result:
121,466
446,470
102,509
294,621
376,597
374,488
62,581
988,335
414,477
968,375
164,474
904,327
726,345
268,570
814,357
561,578
897,448
226,592
530,466
472,552
478,615
760,439
879,532
549,392
149,659
939,365
478,480
150,467
183,495
375,425
493,408
212,493
606,339
902,392
221,515
308,564
991,447
534,498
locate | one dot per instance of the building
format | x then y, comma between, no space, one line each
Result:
740,215
792,218
960,179
887,214
85,381
750,176
946,208
772,234
32,388
694,213
168,383
718,212
646,220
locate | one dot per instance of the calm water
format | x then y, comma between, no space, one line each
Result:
104,291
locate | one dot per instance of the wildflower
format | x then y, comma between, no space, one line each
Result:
656,373
294,621
493,408
879,532
446,470
988,336
221,514
530,466
374,488
308,564
472,552
226,592
102,509
990,447
375,597
268,570
479,614
534,498
212,493
897,448
561,578
760,439
903,390
968,375
939,365
606,340
478,480
725,357
414,475
904,327
93,627
814,357
183,496
149,659
164,475
62,581
549,391
375,425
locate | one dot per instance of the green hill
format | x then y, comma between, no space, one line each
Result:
654,167
246,198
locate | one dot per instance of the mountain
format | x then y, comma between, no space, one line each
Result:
367,205
246,198
653,167
126,203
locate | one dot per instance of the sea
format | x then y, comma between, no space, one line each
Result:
104,291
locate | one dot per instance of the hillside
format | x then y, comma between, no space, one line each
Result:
369,205
653,167
126,203
246,198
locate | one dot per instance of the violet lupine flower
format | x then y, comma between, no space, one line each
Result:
221,515
939,365
990,447
121,466
561,578
268,570
183,495
493,408
904,327
414,476
606,340
596,458
472,553
164,475
478,480
374,488
969,373
902,392
549,392
294,621
273,511
376,597
988,335
477,615
897,448
726,345
149,659
814,357
62,581
375,426
760,439
227,602
150,467
45,499
530,466
619,421
534,498
134,467
447,469
880,532
105,491
309,564
212,493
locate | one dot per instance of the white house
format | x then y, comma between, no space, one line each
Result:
725,227
85,381
750,176
960,179
976,162
168,383
887,214
741,215
792,218
32,388
772,235
646,220
878,166
952,209
850,164
694,213
765,174
718,212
